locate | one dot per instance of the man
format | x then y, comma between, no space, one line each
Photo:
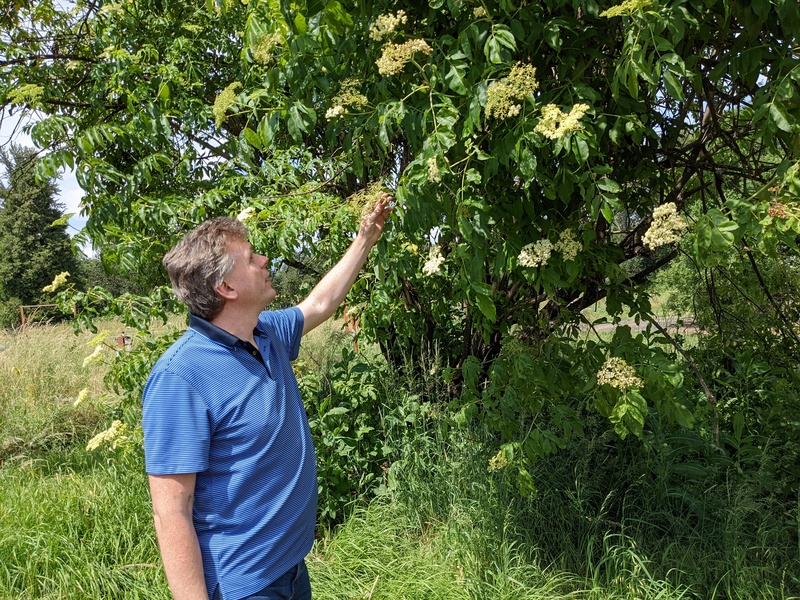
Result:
228,448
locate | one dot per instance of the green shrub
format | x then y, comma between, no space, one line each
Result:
9,313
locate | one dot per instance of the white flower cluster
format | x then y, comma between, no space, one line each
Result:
479,12
246,214
83,396
58,281
28,93
364,200
498,462
224,101
434,262
348,96
335,111
94,357
626,9
618,374
395,56
503,97
433,170
114,437
555,123
262,52
385,25
667,227
536,254
568,245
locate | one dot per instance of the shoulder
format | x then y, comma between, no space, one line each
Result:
283,326
286,316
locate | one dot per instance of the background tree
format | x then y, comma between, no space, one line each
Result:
34,244
544,156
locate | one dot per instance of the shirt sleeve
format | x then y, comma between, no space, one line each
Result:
287,326
176,426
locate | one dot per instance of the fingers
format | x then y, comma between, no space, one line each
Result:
385,203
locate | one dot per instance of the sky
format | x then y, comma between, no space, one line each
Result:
70,193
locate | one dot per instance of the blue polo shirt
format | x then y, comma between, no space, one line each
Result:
216,407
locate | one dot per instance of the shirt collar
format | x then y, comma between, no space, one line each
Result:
216,334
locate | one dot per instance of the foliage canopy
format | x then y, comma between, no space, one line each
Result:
544,155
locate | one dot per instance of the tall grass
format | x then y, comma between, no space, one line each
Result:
610,520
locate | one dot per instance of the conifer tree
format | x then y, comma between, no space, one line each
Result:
34,245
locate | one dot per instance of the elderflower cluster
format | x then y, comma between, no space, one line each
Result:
568,245
335,111
667,227
94,357
112,9
99,338
478,12
385,25
58,281
348,96
114,437
504,95
434,262
29,93
246,214
363,201
497,462
777,210
83,396
536,254
555,124
433,170
395,56
262,52
224,101
626,9
618,374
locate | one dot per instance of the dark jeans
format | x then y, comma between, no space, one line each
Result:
292,585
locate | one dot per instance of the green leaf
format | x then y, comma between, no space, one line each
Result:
487,307
300,23
253,138
580,149
492,51
673,86
609,185
779,116
300,119
455,79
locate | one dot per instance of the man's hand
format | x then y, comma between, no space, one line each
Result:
328,294
372,223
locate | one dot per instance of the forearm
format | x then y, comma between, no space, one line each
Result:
173,498
331,290
180,553
329,293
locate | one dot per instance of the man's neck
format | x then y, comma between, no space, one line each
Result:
236,324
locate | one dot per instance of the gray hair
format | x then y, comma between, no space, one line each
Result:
199,262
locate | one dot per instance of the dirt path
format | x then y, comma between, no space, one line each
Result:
668,323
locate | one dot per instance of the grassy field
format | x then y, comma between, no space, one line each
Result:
604,524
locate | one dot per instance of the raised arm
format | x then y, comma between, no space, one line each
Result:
329,293
173,496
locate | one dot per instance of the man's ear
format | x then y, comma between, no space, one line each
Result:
226,292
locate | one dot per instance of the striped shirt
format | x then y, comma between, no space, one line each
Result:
216,406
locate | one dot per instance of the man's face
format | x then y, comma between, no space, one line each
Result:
249,277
